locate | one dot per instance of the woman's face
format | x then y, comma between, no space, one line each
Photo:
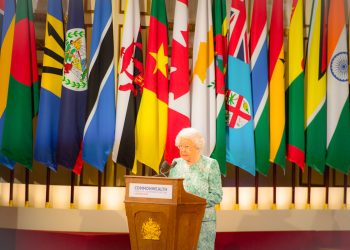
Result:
188,150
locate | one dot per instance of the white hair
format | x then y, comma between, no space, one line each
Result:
192,134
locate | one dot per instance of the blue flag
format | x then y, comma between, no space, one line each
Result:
7,31
240,149
51,86
100,125
74,88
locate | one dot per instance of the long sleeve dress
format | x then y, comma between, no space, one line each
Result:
204,180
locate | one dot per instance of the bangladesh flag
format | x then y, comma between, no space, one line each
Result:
22,102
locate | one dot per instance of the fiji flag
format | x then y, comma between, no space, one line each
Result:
74,88
100,125
51,85
8,9
239,109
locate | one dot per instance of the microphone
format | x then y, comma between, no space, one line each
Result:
165,168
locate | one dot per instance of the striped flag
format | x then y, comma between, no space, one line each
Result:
260,88
51,86
203,94
315,89
220,48
240,149
295,90
277,86
74,88
8,28
338,113
151,123
130,86
179,89
100,125
23,90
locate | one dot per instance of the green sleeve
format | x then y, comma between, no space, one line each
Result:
215,187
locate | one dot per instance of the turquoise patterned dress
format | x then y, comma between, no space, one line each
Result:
202,179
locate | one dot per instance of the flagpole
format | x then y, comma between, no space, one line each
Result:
48,181
292,206
236,205
255,206
27,188
345,191
309,173
12,177
72,180
274,180
326,182
115,174
99,189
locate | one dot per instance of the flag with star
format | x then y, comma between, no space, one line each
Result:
240,149
220,48
151,123
203,94
8,27
338,113
179,89
295,89
260,88
23,90
315,89
277,86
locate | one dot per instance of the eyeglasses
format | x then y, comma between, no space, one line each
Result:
185,148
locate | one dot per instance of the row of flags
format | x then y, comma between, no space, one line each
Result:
253,105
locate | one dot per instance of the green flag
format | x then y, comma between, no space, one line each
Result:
220,47
22,102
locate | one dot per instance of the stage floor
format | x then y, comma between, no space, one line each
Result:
14,239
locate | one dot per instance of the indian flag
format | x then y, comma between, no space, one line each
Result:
338,115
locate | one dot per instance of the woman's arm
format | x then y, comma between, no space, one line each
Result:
215,187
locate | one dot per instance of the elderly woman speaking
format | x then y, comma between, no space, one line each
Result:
202,178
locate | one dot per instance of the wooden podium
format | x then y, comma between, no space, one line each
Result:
161,214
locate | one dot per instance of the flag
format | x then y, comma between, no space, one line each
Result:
51,86
8,27
240,149
315,89
338,113
295,90
203,94
130,86
179,89
100,125
260,88
23,90
2,9
151,123
277,88
74,88
220,48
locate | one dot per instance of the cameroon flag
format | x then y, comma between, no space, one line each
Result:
22,102
151,123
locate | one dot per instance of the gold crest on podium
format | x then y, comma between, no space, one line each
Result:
150,230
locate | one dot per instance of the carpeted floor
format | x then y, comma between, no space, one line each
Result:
296,240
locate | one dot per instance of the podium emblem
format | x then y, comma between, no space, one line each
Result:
150,230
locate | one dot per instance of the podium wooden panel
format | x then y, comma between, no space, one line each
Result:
162,223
